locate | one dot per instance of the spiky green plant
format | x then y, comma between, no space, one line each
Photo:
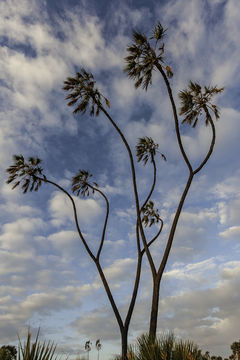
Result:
36,350
160,348
164,347
187,350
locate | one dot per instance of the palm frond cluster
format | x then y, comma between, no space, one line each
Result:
143,57
195,100
84,94
146,149
81,183
150,215
28,173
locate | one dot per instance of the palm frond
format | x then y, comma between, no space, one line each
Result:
169,72
143,56
25,173
140,62
150,215
195,101
146,149
158,32
82,93
81,183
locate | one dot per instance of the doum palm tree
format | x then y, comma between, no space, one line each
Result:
145,55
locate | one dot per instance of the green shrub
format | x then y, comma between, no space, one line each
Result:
164,347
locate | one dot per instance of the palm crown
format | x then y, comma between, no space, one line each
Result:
143,57
26,172
146,149
84,94
81,183
195,99
150,215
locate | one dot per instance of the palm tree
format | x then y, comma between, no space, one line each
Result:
146,55
88,347
30,176
98,346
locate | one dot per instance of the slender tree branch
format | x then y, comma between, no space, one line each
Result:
109,294
153,184
135,291
138,238
173,227
106,219
159,67
95,259
148,197
75,215
156,236
152,266
211,146
145,202
140,255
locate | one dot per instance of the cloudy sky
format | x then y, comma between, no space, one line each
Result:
46,279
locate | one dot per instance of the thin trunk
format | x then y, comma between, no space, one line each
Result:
124,337
154,309
158,277
109,294
135,291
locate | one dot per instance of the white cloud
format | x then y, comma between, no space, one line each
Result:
61,209
117,272
43,303
232,232
17,235
67,242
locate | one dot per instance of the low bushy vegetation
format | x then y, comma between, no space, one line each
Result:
164,347
167,347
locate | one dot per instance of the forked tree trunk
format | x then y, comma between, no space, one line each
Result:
124,337
154,309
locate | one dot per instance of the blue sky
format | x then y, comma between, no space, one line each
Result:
46,279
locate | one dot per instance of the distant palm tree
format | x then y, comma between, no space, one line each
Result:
98,346
88,347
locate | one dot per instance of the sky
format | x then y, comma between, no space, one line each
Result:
46,278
